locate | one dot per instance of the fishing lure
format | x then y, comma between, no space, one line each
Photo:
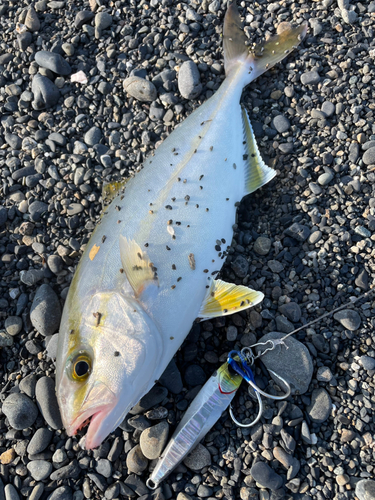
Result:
205,410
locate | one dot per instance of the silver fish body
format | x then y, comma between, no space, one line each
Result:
150,266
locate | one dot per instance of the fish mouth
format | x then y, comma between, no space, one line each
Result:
93,418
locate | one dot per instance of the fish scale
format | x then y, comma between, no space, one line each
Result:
150,267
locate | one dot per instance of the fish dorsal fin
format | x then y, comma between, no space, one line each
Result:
257,173
226,298
137,266
111,189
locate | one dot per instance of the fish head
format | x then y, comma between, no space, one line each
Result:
106,358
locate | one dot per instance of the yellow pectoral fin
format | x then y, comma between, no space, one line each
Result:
226,298
112,189
138,268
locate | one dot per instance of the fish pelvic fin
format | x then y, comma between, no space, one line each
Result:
137,266
224,298
257,173
263,56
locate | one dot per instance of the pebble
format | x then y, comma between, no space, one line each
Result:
194,375
32,20
47,402
103,20
171,378
240,266
6,340
281,123
367,362
154,397
45,313
298,231
83,17
8,456
198,458
53,61
93,136
292,311
293,363
40,440
13,325
11,492
325,179
310,78
46,94
135,461
262,245
320,408
265,476
140,89
349,319
55,263
328,108
39,469
20,411
27,385
61,493
154,439
369,156
324,374
365,489
189,83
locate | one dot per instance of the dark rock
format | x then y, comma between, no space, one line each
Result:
20,411
53,61
46,94
45,314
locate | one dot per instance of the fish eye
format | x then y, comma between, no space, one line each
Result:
81,367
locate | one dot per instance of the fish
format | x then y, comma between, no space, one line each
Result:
150,267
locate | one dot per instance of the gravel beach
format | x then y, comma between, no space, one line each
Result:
87,92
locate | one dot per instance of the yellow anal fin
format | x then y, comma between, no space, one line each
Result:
257,173
226,298
112,189
137,266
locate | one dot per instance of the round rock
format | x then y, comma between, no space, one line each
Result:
39,469
265,476
20,411
46,94
93,136
32,20
367,362
13,325
140,89
153,440
369,157
47,402
365,489
194,375
281,123
135,461
200,457
320,407
40,440
262,245
189,83
349,319
291,361
45,311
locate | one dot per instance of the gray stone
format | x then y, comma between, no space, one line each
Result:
349,16
349,319
294,364
55,263
365,489
46,94
154,397
20,411
61,493
52,346
3,216
11,492
262,245
53,61
153,440
199,458
362,280
369,157
275,265
6,340
27,385
140,89
194,375
189,83
103,20
298,231
32,20
281,123
324,374
265,476
291,310
171,378
310,78
83,17
325,179
13,325
39,469
47,402
320,407
93,136
328,108
135,461
367,362
13,140
240,266
40,440
45,314
104,467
